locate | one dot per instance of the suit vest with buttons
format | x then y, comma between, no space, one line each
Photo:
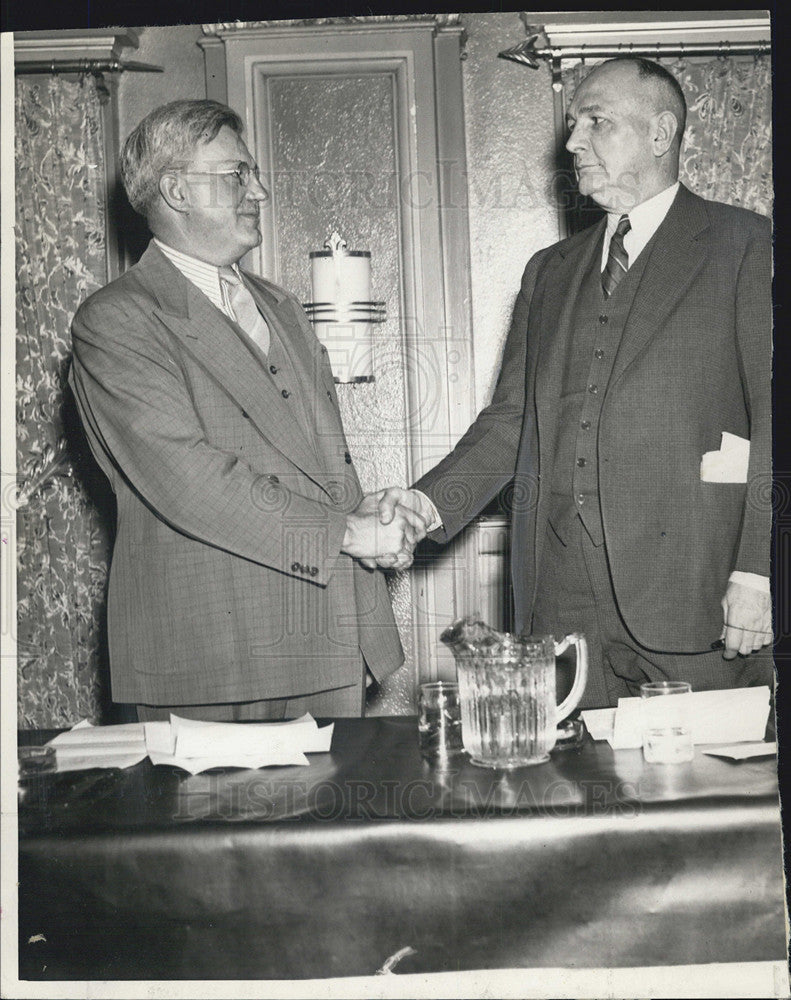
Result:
596,329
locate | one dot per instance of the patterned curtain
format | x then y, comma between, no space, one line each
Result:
727,150
62,538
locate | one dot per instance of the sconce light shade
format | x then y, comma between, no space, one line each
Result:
342,311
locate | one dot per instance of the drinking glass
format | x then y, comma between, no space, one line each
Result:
439,719
666,723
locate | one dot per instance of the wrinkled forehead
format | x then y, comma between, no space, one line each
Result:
608,89
226,146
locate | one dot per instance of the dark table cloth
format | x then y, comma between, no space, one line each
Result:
594,859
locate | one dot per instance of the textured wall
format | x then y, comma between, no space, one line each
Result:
510,162
174,49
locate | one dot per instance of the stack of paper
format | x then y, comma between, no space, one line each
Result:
197,746
85,746
738,715
193,746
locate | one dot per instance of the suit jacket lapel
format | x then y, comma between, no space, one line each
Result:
308,360
210,337
678,253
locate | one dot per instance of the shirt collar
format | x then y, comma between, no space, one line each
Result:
196,265
646,217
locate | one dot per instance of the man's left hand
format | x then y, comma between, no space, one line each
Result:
748,620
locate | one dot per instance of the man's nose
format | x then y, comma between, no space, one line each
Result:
255,190
575,140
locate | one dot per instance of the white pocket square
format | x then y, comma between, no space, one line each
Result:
729,464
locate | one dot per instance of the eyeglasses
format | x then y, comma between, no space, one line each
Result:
242,172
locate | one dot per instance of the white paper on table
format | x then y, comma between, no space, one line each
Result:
195,765
599,722
85,746
627,730
735,715
193,738
743,751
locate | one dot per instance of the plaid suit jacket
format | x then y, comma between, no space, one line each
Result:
226,583
694,361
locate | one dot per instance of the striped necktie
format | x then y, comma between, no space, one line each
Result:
244,308
617,259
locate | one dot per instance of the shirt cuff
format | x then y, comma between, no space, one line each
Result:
427,504
754,580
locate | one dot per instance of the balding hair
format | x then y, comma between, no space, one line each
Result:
667,94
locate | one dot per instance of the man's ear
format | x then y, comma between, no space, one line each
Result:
174,192
665,127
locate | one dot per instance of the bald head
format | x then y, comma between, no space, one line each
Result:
652,86
626,120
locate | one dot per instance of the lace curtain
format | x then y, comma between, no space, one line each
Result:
727,150
62,538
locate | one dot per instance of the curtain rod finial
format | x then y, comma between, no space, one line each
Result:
523,53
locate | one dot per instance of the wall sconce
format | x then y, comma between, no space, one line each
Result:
342,311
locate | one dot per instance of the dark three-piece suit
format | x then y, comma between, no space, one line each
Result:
602,413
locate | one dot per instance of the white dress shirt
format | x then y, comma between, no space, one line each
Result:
645,219
205,277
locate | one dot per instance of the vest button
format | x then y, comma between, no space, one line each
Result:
329,394
581,463
580,499
285,394
593,389
604,319
598,353
347,458
273,369
585,425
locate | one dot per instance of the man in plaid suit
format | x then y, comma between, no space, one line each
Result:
236,589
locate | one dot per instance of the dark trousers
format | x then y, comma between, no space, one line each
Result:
334,703
575,594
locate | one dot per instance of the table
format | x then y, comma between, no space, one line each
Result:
593,859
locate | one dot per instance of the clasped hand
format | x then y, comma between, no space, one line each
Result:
385,528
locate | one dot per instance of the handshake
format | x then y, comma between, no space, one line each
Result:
385,528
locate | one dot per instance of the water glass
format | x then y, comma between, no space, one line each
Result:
666,722
439,719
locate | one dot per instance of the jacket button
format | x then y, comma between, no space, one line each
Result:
274,480
593,389
604,319
245,414
581,463
580,498
285,393
347,458
314,570
273,369
598,353
295,567
329,394
585,425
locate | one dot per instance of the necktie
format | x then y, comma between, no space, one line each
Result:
617,259
244,308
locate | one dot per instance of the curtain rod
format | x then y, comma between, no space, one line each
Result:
93,66
528,53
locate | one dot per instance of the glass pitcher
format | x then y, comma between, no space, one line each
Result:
509,714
